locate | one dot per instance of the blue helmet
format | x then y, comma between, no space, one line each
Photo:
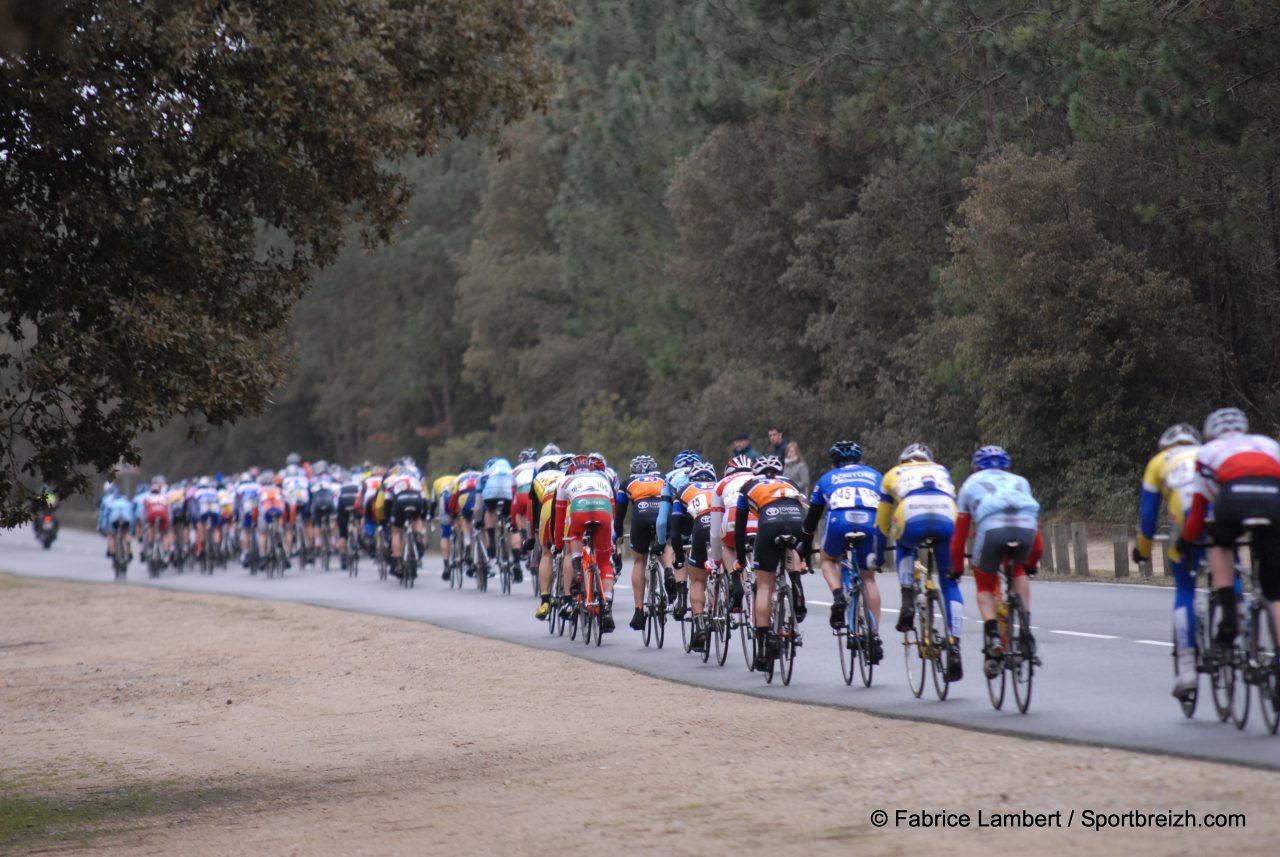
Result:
685,457
988,457
845,452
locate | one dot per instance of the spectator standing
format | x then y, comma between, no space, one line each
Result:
795,468
780,442
742,446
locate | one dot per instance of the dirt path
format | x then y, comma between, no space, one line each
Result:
134,721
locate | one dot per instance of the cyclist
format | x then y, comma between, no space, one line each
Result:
462,507
226,509
1170,477
641,490
778,507
403,499
367,504
586,497
697,501
542,524
324,501
525,470
207,514
1239,473
296,489
677,582
1002,510
246,511
850,495
115,512
497,489
736,474
272,506
347,507
917,501
176,496
155,511
438,511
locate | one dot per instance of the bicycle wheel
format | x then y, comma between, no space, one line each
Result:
1021,654
864,630
786,631
1187,704
846,639
504,564
650,605
597,604
937,627
746,630
482,565
913,647
1267,667
324,546
685,630
720,620
1239,688
1220,684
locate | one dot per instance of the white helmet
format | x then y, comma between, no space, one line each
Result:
915,452
1225,420
1181,433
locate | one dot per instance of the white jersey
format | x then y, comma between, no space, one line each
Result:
1236,456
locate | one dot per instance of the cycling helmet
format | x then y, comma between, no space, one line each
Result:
583,462
766,464
158,479
565,463
599,456
1224,420
528,454
1181,433
845,452
738,464
293,458
205,482
254,472
266,478
915,452
293,470
320,466
551,449
988,457
685,457
109,489
643,464
703,471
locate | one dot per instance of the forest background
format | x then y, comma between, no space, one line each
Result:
1051,225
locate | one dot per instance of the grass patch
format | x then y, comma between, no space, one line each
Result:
28,819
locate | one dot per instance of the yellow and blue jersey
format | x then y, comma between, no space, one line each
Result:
914,490
1169,478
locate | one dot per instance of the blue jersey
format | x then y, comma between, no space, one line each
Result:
677,480
996,497
114,509
498,482
850,493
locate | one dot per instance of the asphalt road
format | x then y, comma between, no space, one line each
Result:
1105,680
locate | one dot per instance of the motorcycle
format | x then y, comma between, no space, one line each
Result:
46,526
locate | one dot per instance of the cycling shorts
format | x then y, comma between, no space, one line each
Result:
497,507
248,518
843,522
212,519
272,513
344,519
644,527
701,542
576,523
1251,497
298,510
787,520
406,505
157,518
179,514
522,506
991,546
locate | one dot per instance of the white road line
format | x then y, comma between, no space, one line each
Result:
1155,643
1083,634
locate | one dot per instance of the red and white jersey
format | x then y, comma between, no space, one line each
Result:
155,504
728,490
1236,456
581,486
400,481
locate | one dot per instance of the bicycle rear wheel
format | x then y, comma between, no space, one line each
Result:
786,631
1265,655
846,640
1187,703
1221,685
504,562
649,607
720,620
746,629
913,644
937,627
865,631
1024,667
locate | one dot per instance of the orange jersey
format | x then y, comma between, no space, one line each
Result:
271,497
644,486
698,500
764,491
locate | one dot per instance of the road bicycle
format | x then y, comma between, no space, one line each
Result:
273,562
153,552
181,554
784,638
353,547
590,600
457,558
1017,661
410,551
481,559
857,636
1254,661
655,602
381,551
1209,660
209,548
301,546
747,618
719,633
325,539
925,644
120,549
502,541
